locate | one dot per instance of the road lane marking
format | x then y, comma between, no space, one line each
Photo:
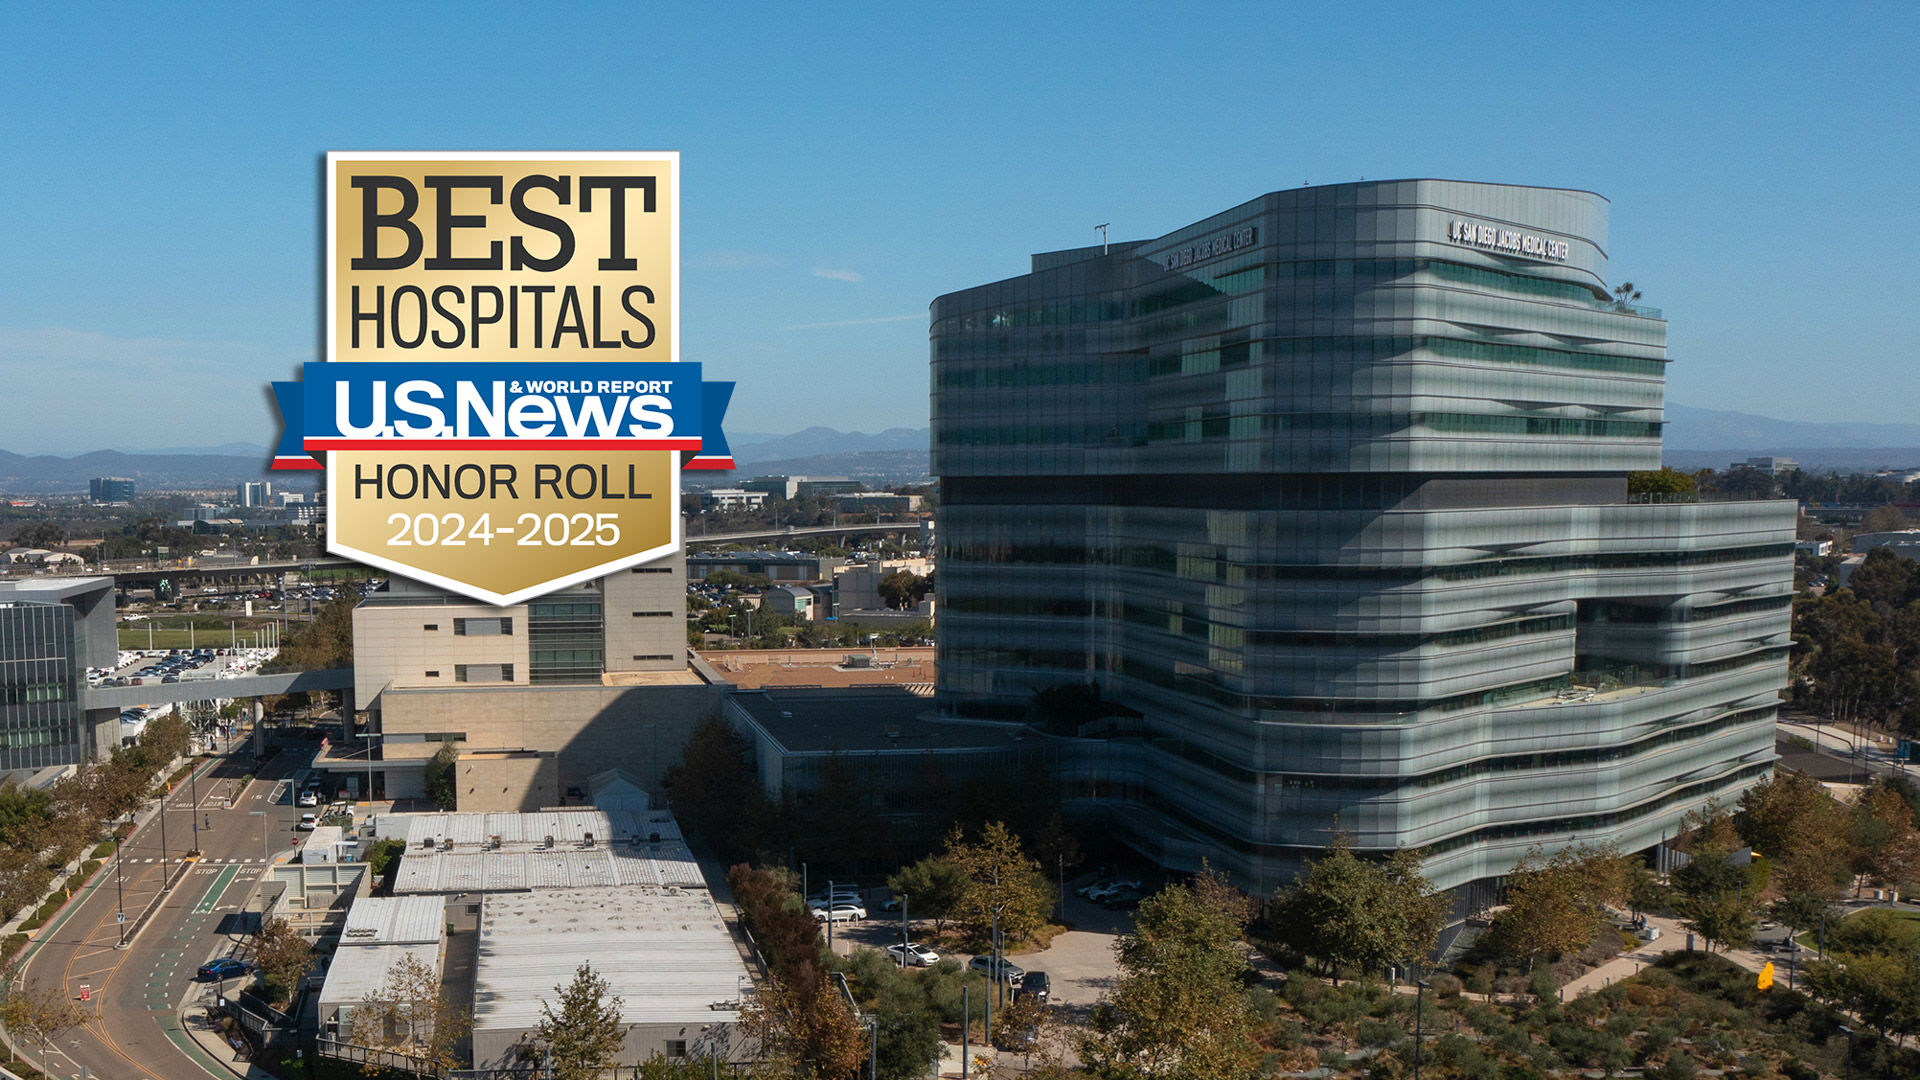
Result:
219,886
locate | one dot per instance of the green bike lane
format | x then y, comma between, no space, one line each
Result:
138,991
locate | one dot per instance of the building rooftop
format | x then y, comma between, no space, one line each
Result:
749,669
394,920
668,863
360,970
667,955
822,720
565,827
553,849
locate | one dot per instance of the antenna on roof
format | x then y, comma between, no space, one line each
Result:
1103,236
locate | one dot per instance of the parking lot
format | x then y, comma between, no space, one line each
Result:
1079,963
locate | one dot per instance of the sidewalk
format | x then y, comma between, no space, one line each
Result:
193,1021
1673,938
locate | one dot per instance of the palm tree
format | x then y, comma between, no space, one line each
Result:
1624,293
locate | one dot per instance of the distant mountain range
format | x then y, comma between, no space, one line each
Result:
1689,428
1693,438
150,471
818,441
1713,438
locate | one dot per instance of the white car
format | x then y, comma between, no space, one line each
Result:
915,954
838,896
1100,890
310,822
840,912
311,798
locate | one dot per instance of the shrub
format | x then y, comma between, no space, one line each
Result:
1445,986
104,850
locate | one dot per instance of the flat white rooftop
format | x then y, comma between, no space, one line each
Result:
361,970
433,870
550,849
563,826
666,953
394,920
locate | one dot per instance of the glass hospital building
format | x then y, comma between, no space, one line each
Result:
1326,496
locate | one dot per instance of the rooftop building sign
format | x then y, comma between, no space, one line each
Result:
1511,241
1219,245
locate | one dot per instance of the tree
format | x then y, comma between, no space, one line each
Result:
1887,518
1664,481
582,1036
1714,899
1180,1006
903,589
1886,843
1625,294
1005,886
716,791
1555,906
323,644
41,1013
934,888
1349,913
804,1027
283,955
1801,911
1793,821
439,776
412,1013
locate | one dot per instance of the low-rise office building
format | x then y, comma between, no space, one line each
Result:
379,933
681,979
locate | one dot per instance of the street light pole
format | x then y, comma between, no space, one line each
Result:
119,885
1849,1062
193,796
166,868
1419,1000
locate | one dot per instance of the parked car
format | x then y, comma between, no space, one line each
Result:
1035,986
840,913
1009,970
309,798
310,822
217,970
1121,899
1100,890
914,954
847,895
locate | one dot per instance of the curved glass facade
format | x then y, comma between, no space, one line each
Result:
1330,489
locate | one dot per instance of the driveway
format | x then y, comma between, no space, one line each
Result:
1079,962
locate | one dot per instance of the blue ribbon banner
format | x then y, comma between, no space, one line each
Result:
546,405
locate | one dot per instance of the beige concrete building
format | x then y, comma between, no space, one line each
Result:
536,698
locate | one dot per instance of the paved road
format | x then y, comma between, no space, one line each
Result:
137,992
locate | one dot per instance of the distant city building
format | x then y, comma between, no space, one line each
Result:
1816,548
802,487
1772,466
776,566
724,500
110,489
877,502
794,601
1326,497
51,632
253,493
1905,544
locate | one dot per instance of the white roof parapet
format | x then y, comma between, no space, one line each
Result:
666,954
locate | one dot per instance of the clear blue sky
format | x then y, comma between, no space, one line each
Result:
845,164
